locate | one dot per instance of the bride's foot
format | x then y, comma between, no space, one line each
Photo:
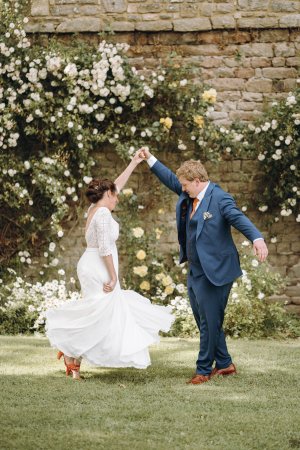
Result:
68,363
74,370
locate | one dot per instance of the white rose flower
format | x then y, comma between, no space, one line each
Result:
60,233
52,246
87,180
254,262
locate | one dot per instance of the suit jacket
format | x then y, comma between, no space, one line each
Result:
215,247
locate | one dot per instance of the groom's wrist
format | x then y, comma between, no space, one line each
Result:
151,160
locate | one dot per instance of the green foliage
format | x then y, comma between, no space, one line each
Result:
60,104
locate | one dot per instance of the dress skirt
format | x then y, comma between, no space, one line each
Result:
106,329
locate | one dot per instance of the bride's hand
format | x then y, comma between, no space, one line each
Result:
145,152
109,287
139,156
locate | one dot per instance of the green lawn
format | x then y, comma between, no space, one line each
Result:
153,408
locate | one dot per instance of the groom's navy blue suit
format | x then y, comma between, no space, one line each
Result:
206,243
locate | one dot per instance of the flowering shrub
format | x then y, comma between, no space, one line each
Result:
23,305
274,139
60,104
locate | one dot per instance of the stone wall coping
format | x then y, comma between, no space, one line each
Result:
37,24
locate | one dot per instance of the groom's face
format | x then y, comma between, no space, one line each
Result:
192,188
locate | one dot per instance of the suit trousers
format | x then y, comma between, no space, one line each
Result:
208,303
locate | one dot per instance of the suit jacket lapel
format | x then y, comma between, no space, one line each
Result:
203,207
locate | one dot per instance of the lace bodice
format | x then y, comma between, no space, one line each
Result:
102,232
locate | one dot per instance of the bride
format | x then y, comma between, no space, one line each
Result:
109,327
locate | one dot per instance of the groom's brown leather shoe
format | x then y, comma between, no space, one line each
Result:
198,379
230,370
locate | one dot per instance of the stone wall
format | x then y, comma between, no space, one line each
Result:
249,50
64,16
240,177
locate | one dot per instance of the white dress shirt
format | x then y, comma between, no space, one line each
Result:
152,160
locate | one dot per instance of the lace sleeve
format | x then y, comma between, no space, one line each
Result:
103,228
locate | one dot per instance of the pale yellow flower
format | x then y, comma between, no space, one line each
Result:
199,120
161,211
169,290
127,192
141,271
141,255
167,122
167,280
159,276
158,233
145,285
137,232
210,96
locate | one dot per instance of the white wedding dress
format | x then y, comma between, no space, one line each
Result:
107,329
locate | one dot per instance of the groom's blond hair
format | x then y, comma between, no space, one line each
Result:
192,169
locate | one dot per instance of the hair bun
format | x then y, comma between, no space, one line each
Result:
97,188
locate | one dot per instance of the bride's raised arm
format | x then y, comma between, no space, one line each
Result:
123,178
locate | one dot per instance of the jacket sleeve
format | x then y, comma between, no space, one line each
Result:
237,219
167,177
103,229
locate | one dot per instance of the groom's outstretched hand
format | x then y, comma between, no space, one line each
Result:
260,250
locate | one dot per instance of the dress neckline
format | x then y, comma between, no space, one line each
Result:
100,207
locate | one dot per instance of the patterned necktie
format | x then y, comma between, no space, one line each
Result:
195,203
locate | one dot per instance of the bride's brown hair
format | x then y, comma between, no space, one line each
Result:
97,188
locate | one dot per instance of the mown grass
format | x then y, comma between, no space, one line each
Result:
153,408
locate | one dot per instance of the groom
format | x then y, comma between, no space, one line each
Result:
205,214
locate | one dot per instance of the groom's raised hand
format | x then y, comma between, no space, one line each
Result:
145,152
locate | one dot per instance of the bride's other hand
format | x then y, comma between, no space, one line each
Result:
109,287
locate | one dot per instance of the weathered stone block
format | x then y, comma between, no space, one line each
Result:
284,49
242,72
80,24
244,116
293,291
257,22
279,73
292,20
294,309
40,27
253,4
258,85
275,35
227,84
250,106
294,62
252,97
285,6
210,61
158,25
219,22
122,26
197,24
40,8
224,7
260,62
295,300
115,6
258,49
278,62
